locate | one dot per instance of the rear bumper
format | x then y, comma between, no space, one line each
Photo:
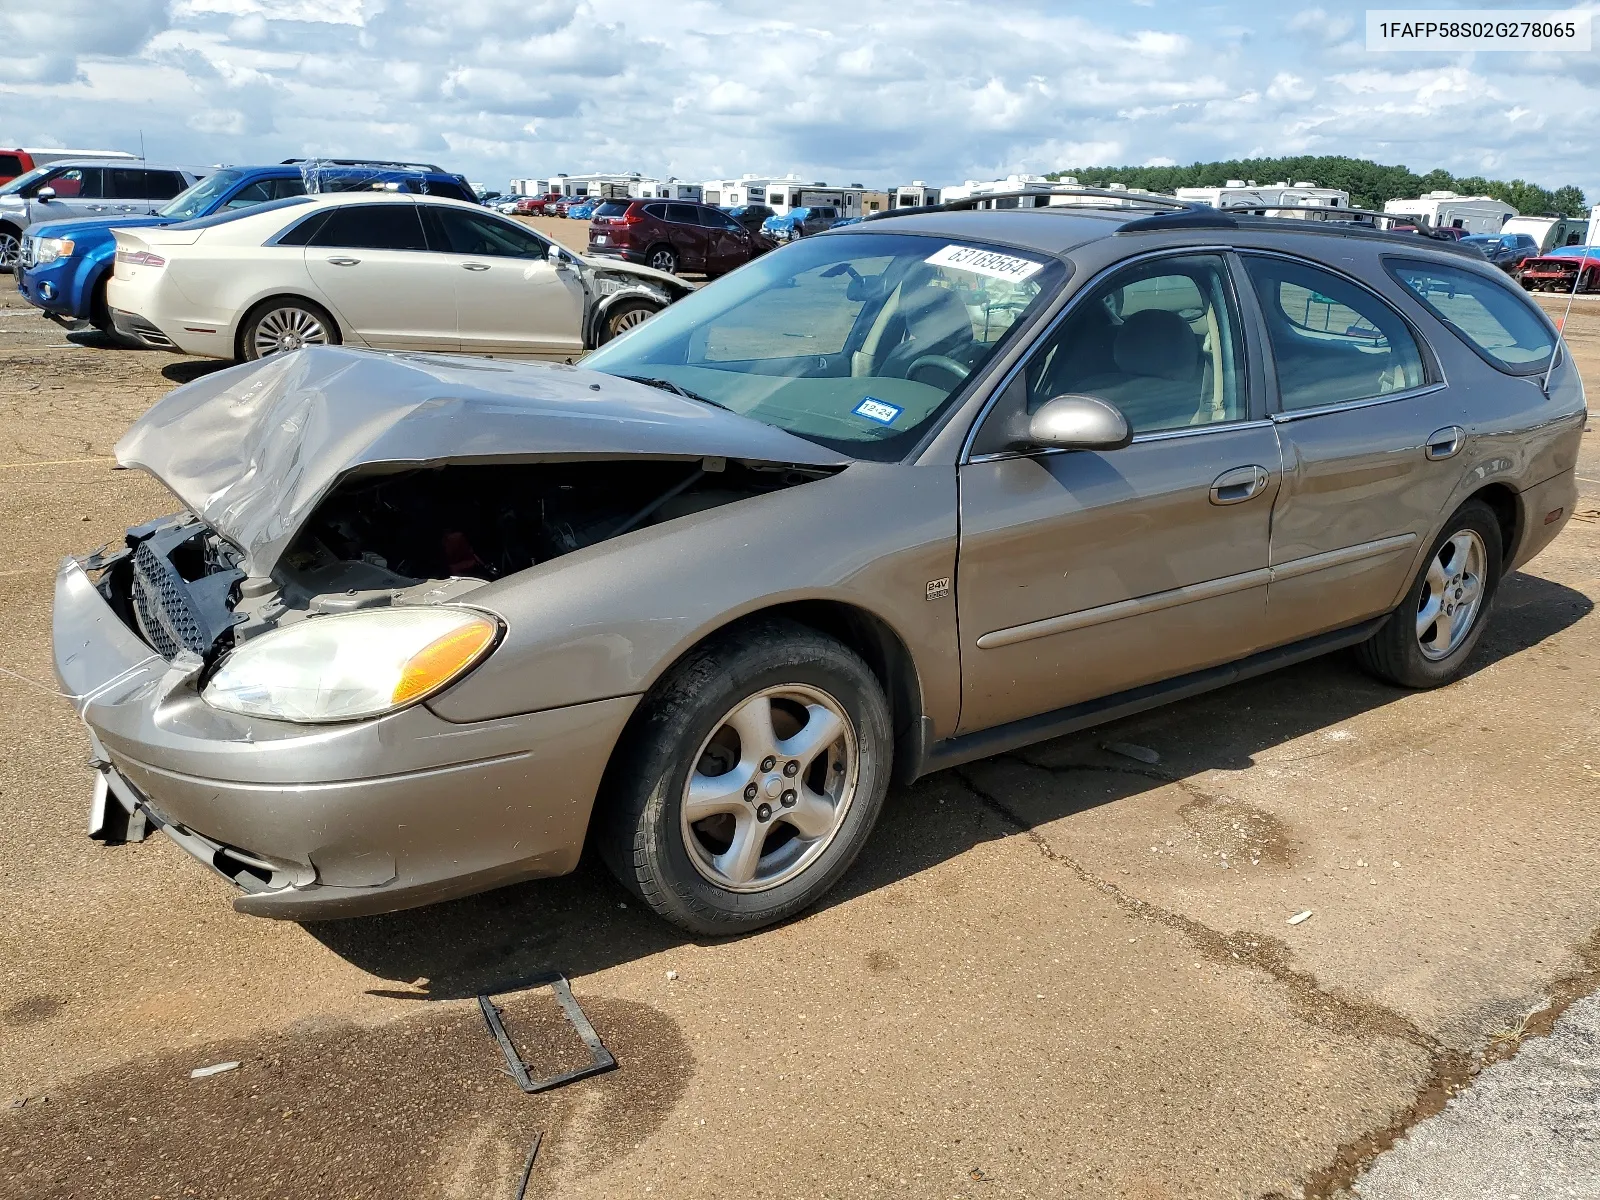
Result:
137,329
312,822
1546,509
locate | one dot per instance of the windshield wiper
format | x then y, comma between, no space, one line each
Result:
666,385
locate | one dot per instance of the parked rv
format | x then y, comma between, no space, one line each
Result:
1246,194
1446,210
1550,230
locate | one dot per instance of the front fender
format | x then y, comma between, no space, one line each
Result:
873,537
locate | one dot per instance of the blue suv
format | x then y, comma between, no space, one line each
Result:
62,266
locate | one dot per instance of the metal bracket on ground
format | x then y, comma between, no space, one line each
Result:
557,983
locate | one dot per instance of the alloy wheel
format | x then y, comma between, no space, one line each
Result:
630,317
1452,593
288,328
770,788
663,260
9,251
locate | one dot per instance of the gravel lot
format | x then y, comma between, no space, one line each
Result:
1053,973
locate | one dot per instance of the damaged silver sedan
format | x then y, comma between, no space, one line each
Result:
426,625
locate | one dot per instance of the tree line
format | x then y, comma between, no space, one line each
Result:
1369,183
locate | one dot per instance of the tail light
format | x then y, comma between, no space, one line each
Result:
140,258
633,216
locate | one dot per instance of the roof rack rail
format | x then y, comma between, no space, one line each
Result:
1124,199
364,162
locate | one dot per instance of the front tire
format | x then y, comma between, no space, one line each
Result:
622,317
10,249
749,779
1428,639
284,324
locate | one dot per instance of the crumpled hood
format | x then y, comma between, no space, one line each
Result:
253,449
78,227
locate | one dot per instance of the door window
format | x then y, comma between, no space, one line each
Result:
77,183
125,183
163,185
682,214
712,219
1159,340
370,227
265,190
460,232
1332,340
1490,317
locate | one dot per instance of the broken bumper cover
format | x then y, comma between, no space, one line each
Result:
337,820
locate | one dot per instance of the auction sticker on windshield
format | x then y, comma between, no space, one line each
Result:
877,410
984,262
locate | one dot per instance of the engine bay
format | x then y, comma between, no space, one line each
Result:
421,535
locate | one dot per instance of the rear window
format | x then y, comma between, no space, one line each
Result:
1489,316
612,208
10,164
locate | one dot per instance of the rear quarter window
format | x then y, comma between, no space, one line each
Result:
1498,322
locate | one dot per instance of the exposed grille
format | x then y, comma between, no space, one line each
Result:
29,251
161,604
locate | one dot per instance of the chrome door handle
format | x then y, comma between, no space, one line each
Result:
1239,484
344,262
1445,443
475,266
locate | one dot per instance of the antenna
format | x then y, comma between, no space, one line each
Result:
141,145
1561,329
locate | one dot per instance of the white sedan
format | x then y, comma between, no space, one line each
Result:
387,270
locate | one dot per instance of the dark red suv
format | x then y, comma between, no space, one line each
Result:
673,235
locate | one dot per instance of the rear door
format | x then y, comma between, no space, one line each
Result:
373,268
1082,573
140,191
511,298
1369,443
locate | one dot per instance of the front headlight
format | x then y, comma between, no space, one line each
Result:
353,665
47,250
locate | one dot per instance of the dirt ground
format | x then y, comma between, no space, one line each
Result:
1053,973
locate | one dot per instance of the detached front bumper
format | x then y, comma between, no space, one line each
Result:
312,822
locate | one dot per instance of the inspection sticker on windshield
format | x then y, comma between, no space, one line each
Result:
874,409
984,262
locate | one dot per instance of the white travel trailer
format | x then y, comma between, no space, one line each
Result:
785,195
972,188
916,195
1550,230
664,189
747,189
1446,210
532,187
1248,195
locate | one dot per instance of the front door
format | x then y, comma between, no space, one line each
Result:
1370,445
80,192
1082,574
372,266
511,298
725,241
688,238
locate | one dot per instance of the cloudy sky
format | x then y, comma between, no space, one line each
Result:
875,92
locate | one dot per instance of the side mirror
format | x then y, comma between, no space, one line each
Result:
45,194
1074,422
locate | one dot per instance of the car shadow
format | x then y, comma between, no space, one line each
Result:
191,369
585,922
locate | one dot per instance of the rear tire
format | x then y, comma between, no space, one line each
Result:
785,734
662,258
624,316
285,323
1427,640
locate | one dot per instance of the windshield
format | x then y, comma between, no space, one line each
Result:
24,181
857,342
198,198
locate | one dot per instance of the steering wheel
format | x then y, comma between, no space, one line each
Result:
941,362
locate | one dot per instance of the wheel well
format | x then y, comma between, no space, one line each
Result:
238,333
1502,500
879,646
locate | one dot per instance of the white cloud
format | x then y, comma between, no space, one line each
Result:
928,89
